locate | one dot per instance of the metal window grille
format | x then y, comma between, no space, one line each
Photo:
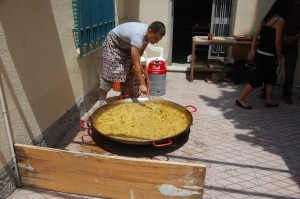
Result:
221,13
93,19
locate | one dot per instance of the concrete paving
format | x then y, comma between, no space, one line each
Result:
248,153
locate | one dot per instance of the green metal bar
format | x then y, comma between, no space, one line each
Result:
93,19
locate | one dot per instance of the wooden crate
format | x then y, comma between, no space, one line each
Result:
108,176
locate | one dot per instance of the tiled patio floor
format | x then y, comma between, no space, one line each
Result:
248,153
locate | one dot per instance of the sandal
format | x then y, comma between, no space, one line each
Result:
238,103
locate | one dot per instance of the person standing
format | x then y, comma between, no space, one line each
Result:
122,49
267,50
290,52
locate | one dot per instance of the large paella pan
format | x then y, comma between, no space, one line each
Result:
142,121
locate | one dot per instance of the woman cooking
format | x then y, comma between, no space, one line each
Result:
122,50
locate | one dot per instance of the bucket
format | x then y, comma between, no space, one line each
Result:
116,86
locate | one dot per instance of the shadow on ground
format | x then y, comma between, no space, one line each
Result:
276,130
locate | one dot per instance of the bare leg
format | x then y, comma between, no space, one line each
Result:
269,90
269,101
103,94
247,90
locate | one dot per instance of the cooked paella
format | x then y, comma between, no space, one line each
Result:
141,121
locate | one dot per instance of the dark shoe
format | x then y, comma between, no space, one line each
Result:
263,95
238,103
271,105
287,99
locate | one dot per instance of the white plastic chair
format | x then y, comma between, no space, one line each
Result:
147,60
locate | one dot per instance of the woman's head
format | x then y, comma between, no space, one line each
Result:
279,8
155,32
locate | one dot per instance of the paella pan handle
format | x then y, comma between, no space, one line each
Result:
162,145
85,124
195,109
124,97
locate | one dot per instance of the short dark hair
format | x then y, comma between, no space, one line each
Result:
158,27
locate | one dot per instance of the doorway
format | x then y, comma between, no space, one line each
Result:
191,18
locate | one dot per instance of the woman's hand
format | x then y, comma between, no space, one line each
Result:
143,89
251,55
279,59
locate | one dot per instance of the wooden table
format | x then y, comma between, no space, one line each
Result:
202,40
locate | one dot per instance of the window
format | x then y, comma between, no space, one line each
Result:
221,14
93,19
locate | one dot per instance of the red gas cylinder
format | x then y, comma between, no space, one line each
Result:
157,76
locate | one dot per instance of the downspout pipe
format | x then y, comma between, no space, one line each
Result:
10,139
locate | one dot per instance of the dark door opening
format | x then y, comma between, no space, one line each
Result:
191,18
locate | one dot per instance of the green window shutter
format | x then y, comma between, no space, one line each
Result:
93,19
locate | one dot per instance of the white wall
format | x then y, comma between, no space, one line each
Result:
245,17
121,15
146,11
248,14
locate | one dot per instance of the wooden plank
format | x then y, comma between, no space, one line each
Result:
108,176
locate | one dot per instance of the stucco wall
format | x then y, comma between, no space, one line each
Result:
121,15
146,11
4,144
41,76
246,15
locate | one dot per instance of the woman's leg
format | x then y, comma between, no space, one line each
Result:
105,86
269,100
269,92
103,94
242,98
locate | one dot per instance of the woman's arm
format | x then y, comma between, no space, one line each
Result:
251,53
143,49
137,69
279,25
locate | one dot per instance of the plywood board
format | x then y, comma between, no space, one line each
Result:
108,176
